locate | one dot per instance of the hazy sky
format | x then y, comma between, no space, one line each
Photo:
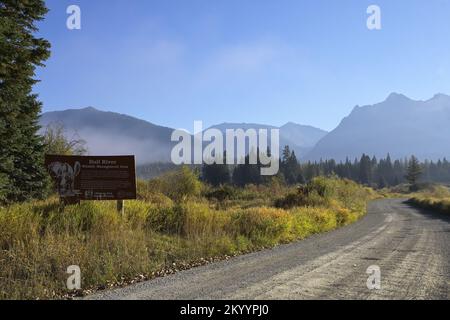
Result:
267,61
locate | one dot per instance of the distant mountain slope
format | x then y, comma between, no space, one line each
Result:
301,137
399,126
109,133
298,137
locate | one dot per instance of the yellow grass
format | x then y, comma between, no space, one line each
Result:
39,240
437,199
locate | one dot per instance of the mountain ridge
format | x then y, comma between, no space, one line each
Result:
399,125
109,133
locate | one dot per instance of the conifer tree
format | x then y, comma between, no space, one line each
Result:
216,174
22,175
414,171
365,170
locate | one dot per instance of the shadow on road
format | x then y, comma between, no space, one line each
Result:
428,212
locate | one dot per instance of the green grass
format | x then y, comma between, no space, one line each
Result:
39,240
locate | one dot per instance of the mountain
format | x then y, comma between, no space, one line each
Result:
108,133
399,126
298,137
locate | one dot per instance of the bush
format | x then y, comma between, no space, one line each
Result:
262,226
38,242
168,220
317,192
200,221
322,191
40,239
150,191
179,185
221,194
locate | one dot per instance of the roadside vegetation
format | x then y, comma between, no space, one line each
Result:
176,223
436,198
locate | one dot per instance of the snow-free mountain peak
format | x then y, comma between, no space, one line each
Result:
399,126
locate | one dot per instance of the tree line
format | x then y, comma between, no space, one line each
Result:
22,149
378,173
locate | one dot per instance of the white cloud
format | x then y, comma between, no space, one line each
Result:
242,62
252,57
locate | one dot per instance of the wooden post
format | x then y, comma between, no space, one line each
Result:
121,206
69,201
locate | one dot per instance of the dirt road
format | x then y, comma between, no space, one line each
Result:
410,246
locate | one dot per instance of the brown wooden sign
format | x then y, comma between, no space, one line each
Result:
93,177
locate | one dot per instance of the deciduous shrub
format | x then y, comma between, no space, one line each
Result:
179,185
40,239
222,193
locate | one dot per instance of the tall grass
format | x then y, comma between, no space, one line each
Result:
436,198
39,240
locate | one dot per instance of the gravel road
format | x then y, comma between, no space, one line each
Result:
410,246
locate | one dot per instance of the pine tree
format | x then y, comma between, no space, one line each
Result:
414,171
22,174
389,170
289,166
365,170
286,154
247,173
216,174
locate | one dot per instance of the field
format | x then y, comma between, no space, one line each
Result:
177,222
437,198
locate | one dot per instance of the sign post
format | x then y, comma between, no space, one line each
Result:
93,178
121,206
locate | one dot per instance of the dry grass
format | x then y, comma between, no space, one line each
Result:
39,240
437,198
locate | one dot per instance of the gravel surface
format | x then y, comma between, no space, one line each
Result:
410,246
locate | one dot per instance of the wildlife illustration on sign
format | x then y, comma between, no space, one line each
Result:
93,177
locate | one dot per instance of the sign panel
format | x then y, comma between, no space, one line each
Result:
93,177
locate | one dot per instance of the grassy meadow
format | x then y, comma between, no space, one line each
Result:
177,222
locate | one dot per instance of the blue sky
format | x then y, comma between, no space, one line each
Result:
175,61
